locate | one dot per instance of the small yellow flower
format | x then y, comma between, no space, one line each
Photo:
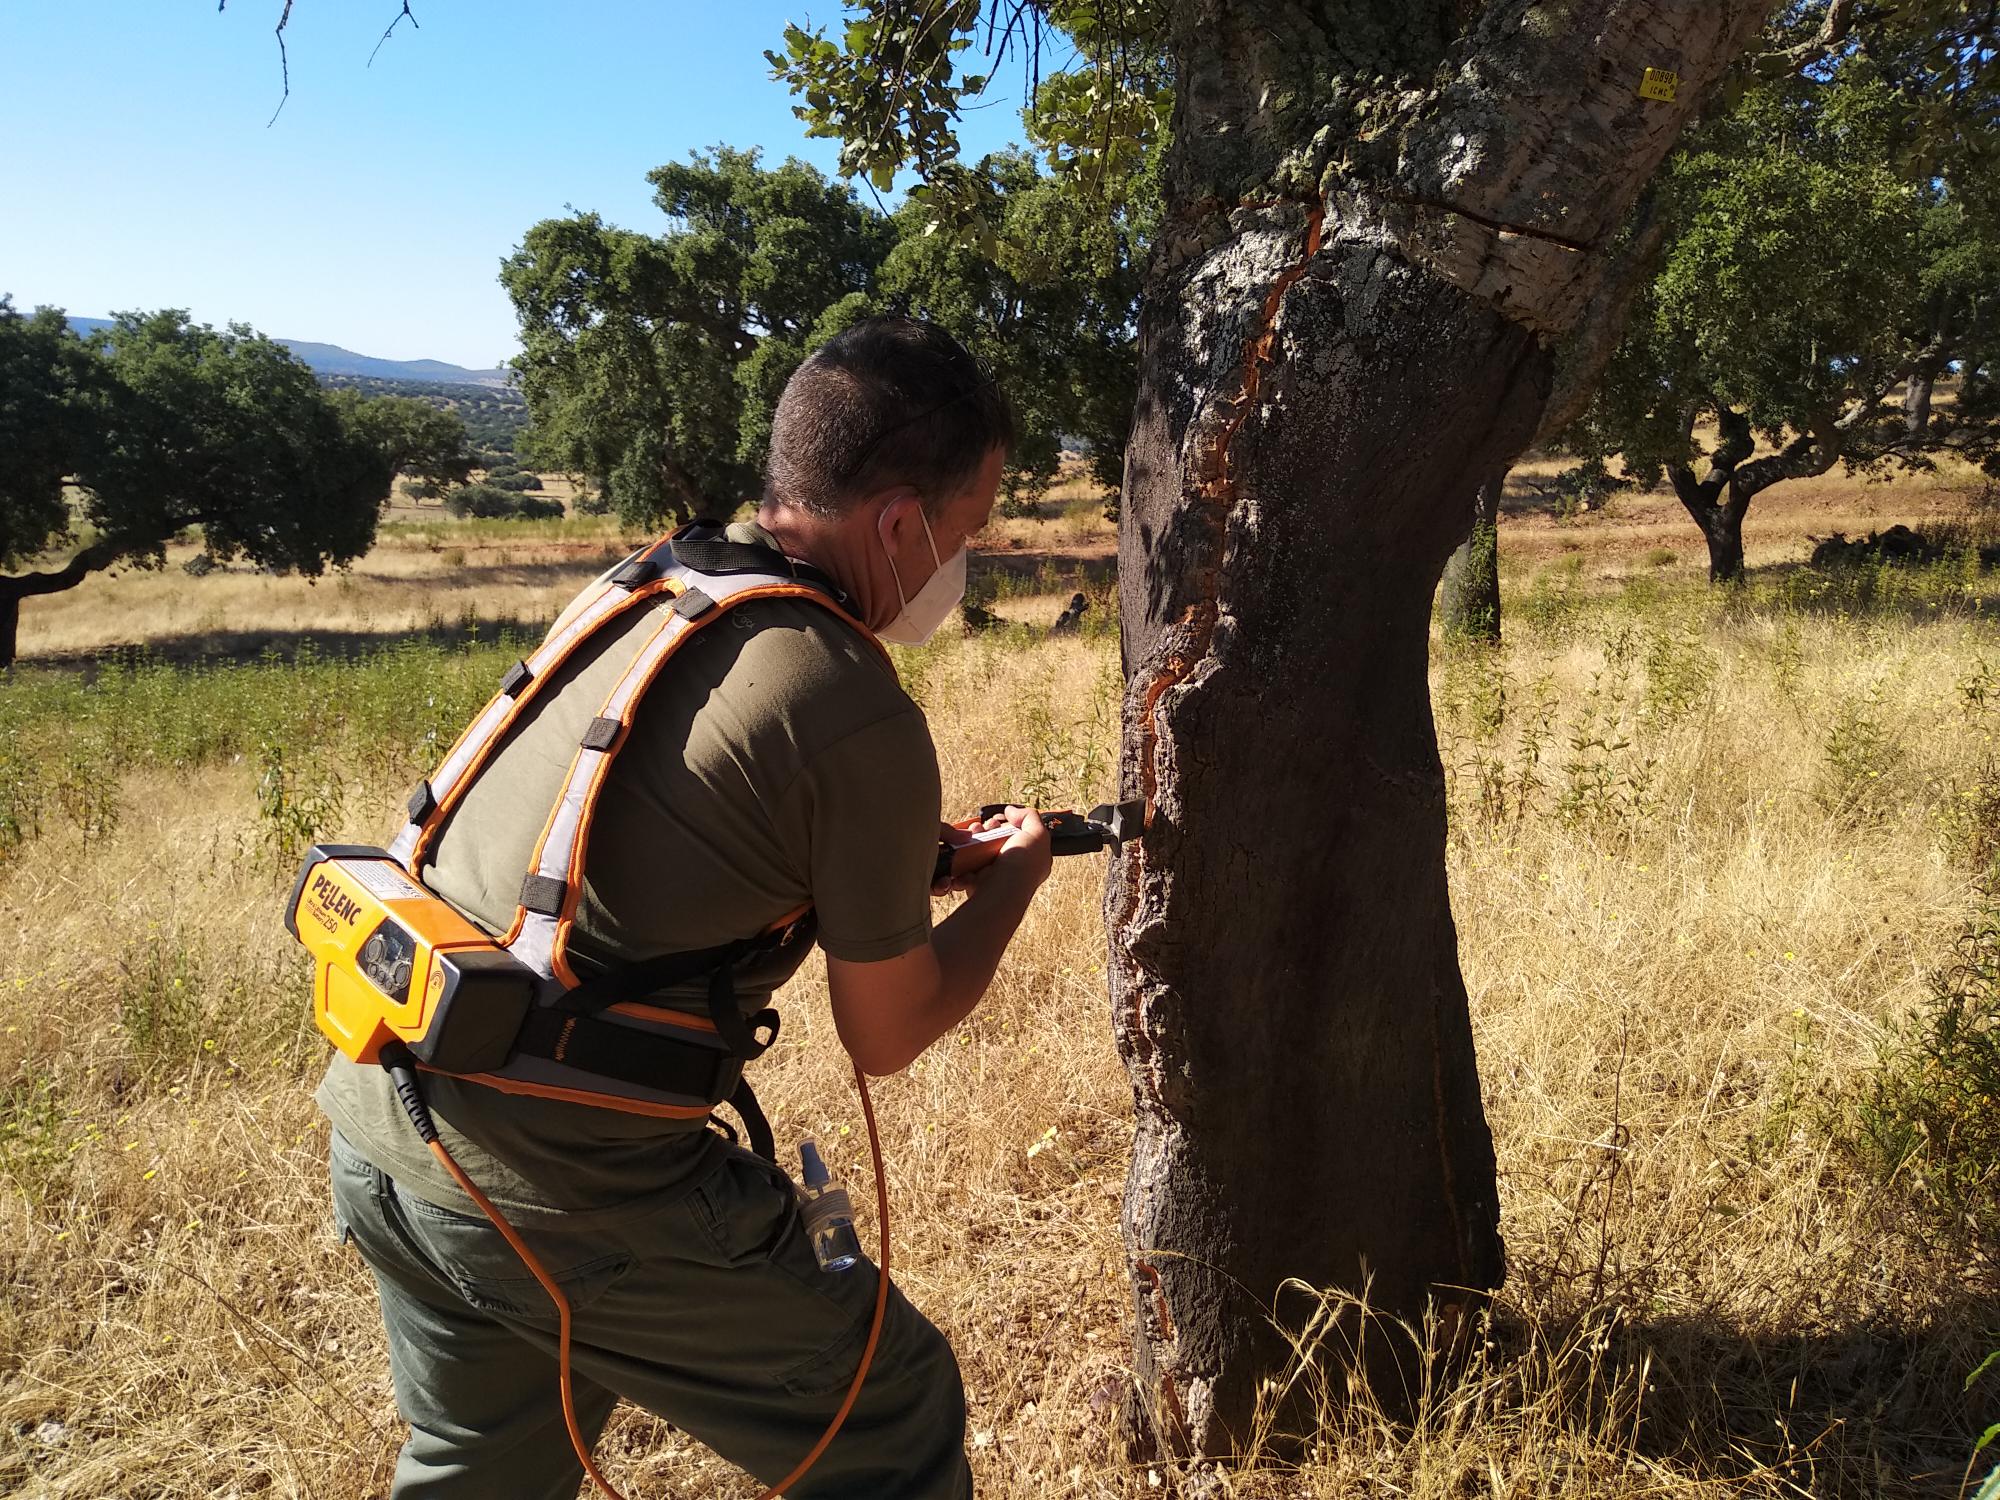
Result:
149,1174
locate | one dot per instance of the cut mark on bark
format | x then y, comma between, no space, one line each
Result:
1499,226
1168,1388
1215,484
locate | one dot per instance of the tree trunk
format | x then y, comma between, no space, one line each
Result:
1469,601
14,587
1722,526
1343,338
1286,982
1917,400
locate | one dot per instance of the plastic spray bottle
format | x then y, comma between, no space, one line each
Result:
829,1215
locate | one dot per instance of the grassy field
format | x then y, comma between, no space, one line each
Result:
1709,855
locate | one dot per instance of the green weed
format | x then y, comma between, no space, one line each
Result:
1926,1123
1680,673
36,1134
1605,780
1856,780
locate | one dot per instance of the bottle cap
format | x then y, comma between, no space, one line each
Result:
816,1174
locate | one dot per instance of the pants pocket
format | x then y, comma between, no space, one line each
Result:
490,1274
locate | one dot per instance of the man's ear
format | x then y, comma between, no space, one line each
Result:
900,517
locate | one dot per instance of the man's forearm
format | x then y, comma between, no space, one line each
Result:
970,941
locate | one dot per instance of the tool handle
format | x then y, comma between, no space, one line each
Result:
1069,833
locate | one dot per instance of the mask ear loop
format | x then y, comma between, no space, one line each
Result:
902,600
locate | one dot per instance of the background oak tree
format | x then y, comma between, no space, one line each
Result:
157,426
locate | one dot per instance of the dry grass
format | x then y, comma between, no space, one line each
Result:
1676,953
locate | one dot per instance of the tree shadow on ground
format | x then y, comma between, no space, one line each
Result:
1910,595
1866,1410
287,647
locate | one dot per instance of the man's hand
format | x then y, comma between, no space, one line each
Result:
1032,832
888,1012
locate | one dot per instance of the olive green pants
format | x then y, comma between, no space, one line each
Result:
707,1308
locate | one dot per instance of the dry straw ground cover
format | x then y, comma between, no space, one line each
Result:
1705,854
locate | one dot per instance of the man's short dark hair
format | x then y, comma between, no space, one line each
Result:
891,401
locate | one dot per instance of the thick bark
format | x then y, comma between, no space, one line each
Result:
1469,599
1340,343
14,587
1917,401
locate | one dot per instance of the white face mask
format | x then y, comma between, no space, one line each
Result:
919,618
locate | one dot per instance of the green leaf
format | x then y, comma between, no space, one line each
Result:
1990,1490
1984,1365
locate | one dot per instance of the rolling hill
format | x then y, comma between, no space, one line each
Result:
331,359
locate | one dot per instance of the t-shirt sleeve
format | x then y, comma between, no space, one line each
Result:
869,804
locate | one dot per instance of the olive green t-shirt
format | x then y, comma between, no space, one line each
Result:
775,761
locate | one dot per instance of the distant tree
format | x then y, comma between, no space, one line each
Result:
164,425
482,501
50,385
1048,301
514,480
1813,272
650,362
426,441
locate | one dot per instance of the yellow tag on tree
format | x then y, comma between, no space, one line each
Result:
1661,84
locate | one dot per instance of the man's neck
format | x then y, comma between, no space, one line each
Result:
835,547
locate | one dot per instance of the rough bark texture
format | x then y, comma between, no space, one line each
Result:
1379,216
1469,599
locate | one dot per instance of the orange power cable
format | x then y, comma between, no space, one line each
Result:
556,1296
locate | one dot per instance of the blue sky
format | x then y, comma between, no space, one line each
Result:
139,172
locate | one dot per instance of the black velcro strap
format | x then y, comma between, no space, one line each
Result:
602,734
651,975
693,604
705,547
518,676
743,1099
738,1032
543,895
650,1059
423,802
637,569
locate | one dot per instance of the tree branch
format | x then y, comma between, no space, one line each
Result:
414,26
28,585
1833,31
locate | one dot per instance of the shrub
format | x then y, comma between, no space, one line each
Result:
1861,751
1927,1121
534,508
514,480
483,501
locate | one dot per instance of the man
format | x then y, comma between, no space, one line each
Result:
775,762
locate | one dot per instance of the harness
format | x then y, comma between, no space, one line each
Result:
596,1040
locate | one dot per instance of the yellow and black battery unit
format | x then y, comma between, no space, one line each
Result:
393,962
